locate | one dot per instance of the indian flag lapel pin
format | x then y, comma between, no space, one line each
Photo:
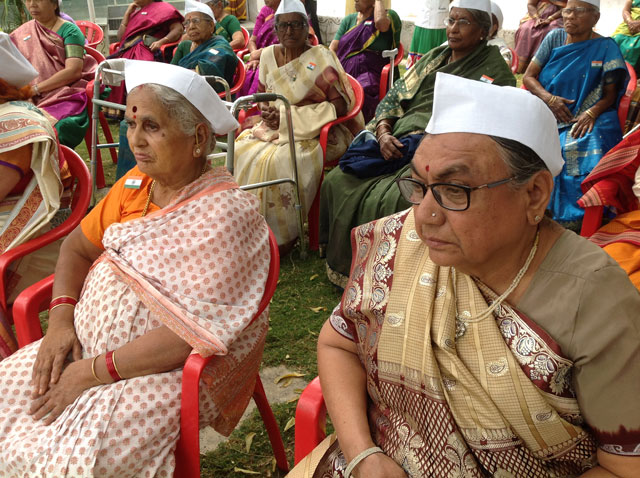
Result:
133,183
311,66
486,79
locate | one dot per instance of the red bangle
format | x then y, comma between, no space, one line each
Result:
63,300
111,367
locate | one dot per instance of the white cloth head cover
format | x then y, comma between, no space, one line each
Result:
194,6
495,9
186,82
291,6
483,5
16,69
468,106
595,3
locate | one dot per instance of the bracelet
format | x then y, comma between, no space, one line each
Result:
590,114
36,89
361,456
62,300
111,367
552,100
93,370
383,134
113,359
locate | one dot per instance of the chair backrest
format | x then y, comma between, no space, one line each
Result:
81,195
625,101
238,79
245,34
313,39
92,32
99,57
515,61
92,52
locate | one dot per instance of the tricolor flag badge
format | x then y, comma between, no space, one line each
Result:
486,79
368,22
311,66
596,64
133,183
214,51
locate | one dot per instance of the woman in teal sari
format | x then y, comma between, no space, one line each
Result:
581,76
363,188
204,52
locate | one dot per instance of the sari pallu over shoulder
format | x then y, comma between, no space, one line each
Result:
191,289
213,57
470,400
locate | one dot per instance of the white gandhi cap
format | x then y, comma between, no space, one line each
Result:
16,69
186,82
468,106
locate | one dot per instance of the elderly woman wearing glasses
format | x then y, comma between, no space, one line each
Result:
362,189
317,87
470,338
581,76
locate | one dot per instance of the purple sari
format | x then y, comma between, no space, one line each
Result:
265,34
363,64
155,20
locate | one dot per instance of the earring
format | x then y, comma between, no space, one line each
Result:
537,218
198,151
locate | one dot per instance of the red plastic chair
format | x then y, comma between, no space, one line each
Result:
238,80
515,61
36,298
314,212
245,34
81,195
100,183
311,418
168,55
113,47
384,77
92,32
625,101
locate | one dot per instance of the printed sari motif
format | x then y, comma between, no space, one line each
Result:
262,154
580,71
529,36
145,26
213,57
26,215
628,42
489,398
611,184
46,51
265,34
363,64
189,290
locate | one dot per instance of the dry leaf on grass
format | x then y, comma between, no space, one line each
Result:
287,377
248,440
290,423
313,277
246,472
318,309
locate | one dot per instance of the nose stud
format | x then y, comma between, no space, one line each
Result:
433,214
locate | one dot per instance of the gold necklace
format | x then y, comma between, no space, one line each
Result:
153,185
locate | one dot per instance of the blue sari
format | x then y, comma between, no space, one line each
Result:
213,57
579,71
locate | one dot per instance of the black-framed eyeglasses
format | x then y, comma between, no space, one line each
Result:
462,22
195,21
284,26
577,10
455,197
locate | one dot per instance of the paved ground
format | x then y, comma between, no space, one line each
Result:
210,439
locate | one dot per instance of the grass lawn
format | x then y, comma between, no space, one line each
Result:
302,302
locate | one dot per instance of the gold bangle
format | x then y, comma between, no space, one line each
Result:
590,114
67,296
113,359
93,370
60,305
552,100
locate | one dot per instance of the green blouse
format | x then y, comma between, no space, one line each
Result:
384,41
73,40
227,27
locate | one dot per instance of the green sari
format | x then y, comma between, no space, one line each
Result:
347,201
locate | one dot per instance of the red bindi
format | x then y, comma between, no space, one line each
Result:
135,108
427,168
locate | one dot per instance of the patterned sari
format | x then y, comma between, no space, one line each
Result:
364,64
155,271
262,154
213,57
450,396
615,184
529,36
26,215
580,71
628,42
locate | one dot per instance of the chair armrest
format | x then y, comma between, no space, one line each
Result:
165,47
324,133
27,306
241,53
113,47
188,447
311,417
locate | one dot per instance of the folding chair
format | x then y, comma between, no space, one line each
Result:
28,329
81,194
92,32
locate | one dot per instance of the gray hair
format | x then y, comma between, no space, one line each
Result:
482,18
521,160
183,112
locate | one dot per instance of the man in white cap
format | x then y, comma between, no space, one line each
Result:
423,365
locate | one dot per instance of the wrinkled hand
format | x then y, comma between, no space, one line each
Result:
634,26
390,147
271,116
583,125
54,349
156,45
561,111
252,64
378,465
542,22
60,395
255,54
